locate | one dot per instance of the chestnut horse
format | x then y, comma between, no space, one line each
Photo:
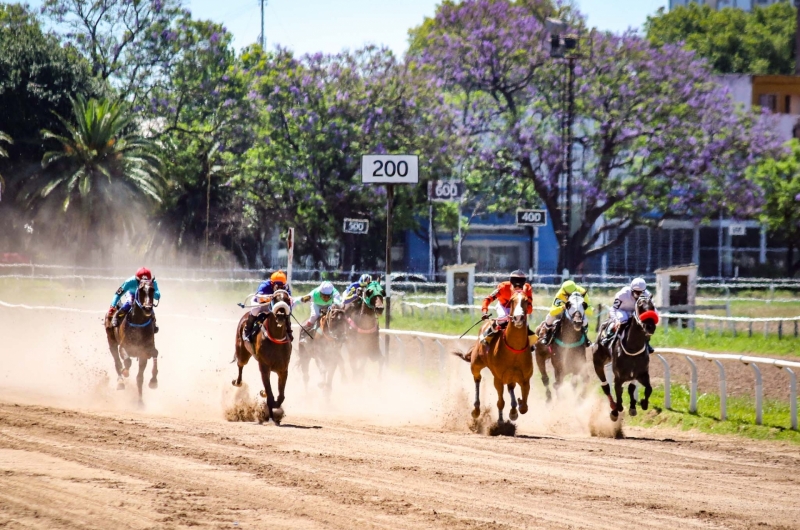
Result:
135,337
508,357
362,333
324,347
272,348
567,351
628,355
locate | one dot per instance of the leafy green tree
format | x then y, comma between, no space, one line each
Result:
734,41
103,169
779,178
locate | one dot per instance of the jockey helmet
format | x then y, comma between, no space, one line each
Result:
278,277
518,279
569,287
638,285
326,288
144,272
364,280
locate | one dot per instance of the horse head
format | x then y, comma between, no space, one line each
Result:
281,305
145,295
645,315
576,310
518,309
335,322
373,297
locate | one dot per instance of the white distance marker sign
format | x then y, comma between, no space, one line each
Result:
356,226
390,169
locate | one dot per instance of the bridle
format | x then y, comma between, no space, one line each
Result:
519,318
283,304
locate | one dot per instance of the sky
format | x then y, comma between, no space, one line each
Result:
333,25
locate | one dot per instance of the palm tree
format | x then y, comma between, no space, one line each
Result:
108,167
3,153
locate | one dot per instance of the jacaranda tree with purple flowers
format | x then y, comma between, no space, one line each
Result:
653,137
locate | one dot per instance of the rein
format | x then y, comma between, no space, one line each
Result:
273,339
354,326
144,325
570,344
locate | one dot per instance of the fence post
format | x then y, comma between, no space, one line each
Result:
723,392
421,356
780,329
766,328
693,390
759,392
750,329
792,396
667,383
442,355
705,327
795,329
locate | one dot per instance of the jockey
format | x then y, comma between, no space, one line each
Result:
355,289
517,282
321,299
128,290
262,297
563,294
624,306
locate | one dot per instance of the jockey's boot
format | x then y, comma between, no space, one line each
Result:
118,317
606,340
548,333
650,349
486,336
586,335
247,332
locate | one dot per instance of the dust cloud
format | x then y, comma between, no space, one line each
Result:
61,358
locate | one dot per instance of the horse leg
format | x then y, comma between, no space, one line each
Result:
631,390
113,348
599,369
140,375
541,359
476,368
277,414
644,379
618,391
513,414
558,369
267,392
523,400
154,379
498,385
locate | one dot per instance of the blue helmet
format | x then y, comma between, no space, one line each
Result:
364,280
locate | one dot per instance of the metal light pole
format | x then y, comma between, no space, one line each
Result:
564,46
797,41
262,38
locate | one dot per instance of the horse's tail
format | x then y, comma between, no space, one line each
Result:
464,356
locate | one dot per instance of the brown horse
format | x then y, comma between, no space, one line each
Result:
135,338
362,333
567,351
324,347
629,357
508,357
272,348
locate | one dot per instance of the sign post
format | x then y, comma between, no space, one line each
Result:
533,219
289,256
389,170
440,191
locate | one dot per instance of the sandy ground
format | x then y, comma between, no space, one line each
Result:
393,451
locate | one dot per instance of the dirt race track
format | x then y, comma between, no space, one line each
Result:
391,452
66,469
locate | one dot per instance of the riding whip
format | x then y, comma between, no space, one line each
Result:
301,326
472,326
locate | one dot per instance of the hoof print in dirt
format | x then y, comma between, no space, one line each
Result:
503,428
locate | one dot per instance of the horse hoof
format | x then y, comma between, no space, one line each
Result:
277,415
644,404
513,415
153,384
632,412
234,383
126,372
262,393
120,384
523,408
140,404
614,415
475,413
549,396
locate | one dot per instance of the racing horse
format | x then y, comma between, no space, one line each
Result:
135,337
362,332
324,346
272,348
567,351
628,355
508,357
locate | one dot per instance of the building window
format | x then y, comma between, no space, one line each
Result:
787,104
768,101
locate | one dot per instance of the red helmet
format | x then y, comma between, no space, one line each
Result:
144,272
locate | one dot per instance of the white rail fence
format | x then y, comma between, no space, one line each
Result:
404,339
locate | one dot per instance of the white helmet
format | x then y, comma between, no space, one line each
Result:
326,288
638,284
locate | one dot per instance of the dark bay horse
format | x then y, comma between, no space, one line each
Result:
567,351
272,348
628,355
362,332
324,347
135,338
509,359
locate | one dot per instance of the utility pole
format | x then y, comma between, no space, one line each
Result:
797,40
262,38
